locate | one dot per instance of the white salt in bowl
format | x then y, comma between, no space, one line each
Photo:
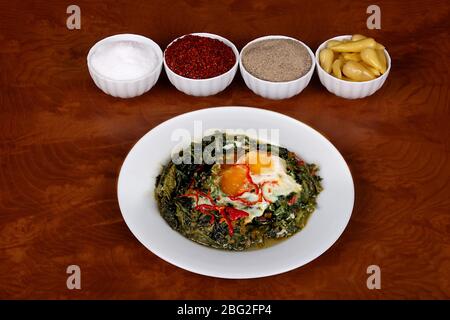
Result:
203,87
129,87
276,90
350,89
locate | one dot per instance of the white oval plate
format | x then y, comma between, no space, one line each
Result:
139,208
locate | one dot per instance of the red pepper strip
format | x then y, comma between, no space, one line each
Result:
265,182
237,197
227,220
249,178
195,195
208,196
230,214
293,200
254,186
246,202
300,161
235,214
206,209
191,183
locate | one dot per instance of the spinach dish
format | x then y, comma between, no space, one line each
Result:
243,194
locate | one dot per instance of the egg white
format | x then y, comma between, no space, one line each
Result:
274,182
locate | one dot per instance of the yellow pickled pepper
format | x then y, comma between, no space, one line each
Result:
372,70
337,65
379,46
354,56
370,56
332,43
357,37
382,58
354,46
326,57
356,71
359,59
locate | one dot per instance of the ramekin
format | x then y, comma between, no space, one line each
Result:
203,87
350,89
276,90
126,88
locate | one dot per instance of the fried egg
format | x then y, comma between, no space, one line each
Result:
254,182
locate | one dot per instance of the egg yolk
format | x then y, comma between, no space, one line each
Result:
258,162
233,180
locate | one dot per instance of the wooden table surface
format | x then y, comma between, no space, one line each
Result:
63,141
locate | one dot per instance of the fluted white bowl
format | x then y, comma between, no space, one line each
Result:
203,87
276,90
350,89
126,88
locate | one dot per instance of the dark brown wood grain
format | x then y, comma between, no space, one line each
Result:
62,143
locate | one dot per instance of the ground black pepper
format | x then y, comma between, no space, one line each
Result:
277,60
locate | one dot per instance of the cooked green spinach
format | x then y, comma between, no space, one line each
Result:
281,218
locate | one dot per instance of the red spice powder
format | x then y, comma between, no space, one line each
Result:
199,57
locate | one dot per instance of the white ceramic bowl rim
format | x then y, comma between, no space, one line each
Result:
311,54
212,36
127,37
356,83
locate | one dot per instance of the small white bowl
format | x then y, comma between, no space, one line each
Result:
203,87
126,88
276,90
350,89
